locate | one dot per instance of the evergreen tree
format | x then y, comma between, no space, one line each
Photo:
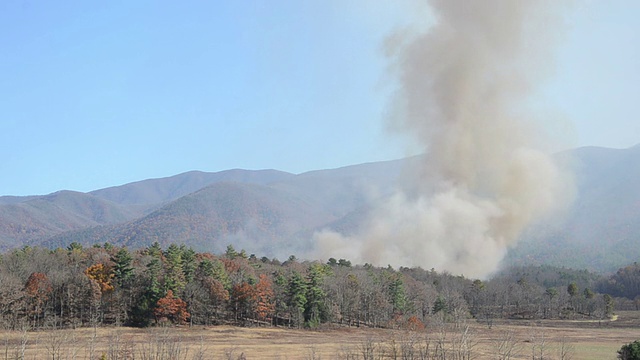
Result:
609,304
122,269
142,311
344,262
231,253
155,249
439,305
219,273
174,274
316,310
74,247
297,296
630,351
397,294
188,263
205,268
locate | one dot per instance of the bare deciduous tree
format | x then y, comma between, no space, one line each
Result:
507,346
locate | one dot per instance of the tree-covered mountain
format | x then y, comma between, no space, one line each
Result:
601,230
248,215
266,211
157,191
36,218
275,213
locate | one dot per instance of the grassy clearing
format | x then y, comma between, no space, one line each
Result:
586,341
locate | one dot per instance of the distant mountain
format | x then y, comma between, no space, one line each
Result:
273,213
210,218
35,218
602,229
343,190
265,210
157,191
15,199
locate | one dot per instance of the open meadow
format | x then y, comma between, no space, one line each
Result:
504,340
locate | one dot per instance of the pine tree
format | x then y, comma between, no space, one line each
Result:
439,305
297,297
174,275
188,263
144,306
397,294
155,250
231,253
630,351
214,269
316,310
122,269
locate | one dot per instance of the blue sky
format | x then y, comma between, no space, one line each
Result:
96,94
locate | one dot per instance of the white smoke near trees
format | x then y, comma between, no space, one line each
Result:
463,97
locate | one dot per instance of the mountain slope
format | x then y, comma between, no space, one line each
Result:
343,190
274,212
262,217
41,217
15,199
602,229
157,191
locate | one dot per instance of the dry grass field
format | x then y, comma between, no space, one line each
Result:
580,340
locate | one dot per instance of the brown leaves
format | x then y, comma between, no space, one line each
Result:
255,300
414,324
216,289
264,298
38,287
243,293
171,308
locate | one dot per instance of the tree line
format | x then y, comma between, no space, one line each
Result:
103,284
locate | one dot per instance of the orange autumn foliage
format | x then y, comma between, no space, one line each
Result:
171,308
264,294
413,323
243,293
101,275
38,287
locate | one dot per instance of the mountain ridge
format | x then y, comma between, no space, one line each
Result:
273,211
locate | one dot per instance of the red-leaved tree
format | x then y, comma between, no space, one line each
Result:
38,289
171,308
243,297
265,305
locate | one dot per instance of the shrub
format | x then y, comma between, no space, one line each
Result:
630,351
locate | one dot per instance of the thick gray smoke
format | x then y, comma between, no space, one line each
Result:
463,96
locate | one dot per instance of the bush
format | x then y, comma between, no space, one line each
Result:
630,351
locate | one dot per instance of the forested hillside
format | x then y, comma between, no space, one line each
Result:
275,213
600,231
78,286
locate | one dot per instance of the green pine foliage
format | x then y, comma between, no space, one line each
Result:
224,289
122,268
630,351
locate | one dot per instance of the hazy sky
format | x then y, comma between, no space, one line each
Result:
95,94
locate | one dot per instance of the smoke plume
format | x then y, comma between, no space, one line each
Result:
463,96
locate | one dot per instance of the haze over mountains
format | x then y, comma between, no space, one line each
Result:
275,213
602,229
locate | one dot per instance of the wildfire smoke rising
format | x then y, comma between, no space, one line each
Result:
463,91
